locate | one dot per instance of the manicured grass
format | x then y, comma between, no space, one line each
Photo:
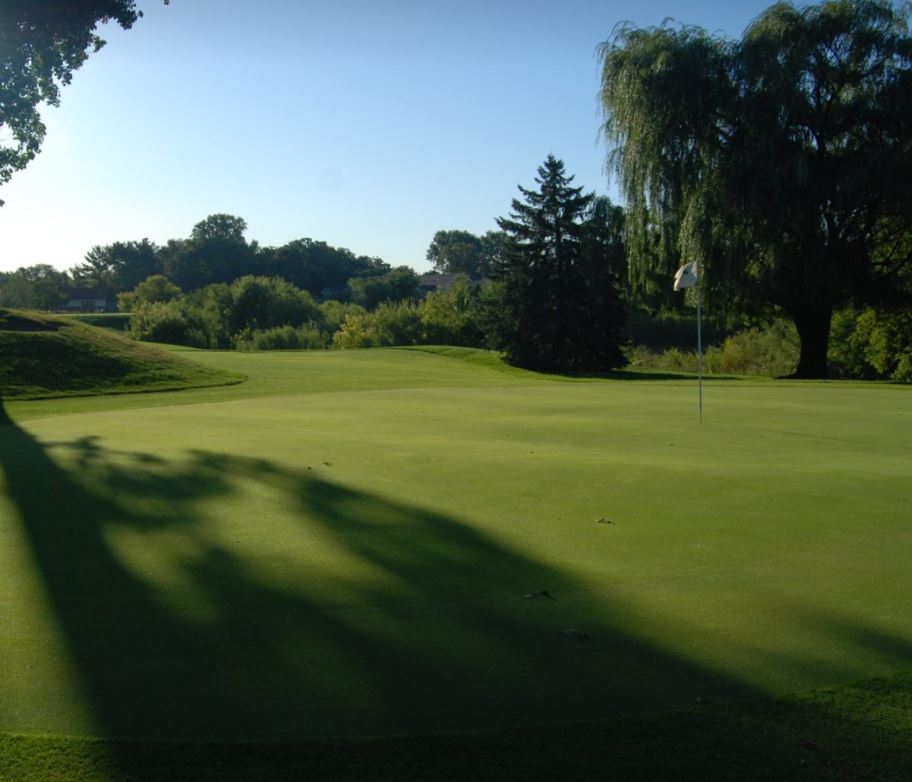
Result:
858,731
115,321
341,547
47,356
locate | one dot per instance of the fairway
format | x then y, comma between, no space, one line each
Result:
344,545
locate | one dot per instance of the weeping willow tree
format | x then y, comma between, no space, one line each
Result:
782,161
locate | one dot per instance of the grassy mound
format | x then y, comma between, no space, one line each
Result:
113,321
45,356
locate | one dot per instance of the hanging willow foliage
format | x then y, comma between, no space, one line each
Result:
780,161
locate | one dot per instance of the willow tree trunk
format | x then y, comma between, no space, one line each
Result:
813,325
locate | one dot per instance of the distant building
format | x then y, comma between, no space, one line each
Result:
89,300
436,283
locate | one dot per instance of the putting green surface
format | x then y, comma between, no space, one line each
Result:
343,544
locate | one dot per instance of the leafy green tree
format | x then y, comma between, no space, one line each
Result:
41,44
38,287
163,321
781,161
399,284
493,247
268,302
15,291
215,252
335,312
120,266
603,238
156,288
558,309
453,316
456,252
315,266
462,252
220,228
391,323
97,269
213,305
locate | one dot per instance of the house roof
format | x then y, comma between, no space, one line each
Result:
435,281
88,293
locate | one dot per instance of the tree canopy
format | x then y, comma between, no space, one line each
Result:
461,252
41,44
783,161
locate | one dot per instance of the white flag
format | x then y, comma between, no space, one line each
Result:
687,276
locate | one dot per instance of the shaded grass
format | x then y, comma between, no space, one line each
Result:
857,731
341,547
115,321
45,356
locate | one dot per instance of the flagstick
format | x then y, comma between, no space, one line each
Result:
700,345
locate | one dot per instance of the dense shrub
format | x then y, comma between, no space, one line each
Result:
163,321
453,316
392,323
870,344
770,351
334,313
156,288
260,303
308,337
221,315
864,344
397,285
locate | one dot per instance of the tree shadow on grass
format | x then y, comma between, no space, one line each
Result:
416,622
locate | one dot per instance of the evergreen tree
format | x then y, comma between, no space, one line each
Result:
558,308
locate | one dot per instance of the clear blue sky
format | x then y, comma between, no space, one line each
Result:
363,124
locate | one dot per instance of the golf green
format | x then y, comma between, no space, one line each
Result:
355,543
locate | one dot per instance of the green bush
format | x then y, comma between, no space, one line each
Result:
156,288
771,351
392,323
162,321
261,303
671,360
400,284
308,337
334,313
871,344
453,316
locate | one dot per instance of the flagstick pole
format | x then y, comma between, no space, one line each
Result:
700,342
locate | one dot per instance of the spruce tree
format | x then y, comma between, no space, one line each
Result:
558,308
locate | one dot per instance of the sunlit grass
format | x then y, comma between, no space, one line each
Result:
342,545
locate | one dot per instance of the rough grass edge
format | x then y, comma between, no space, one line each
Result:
858,730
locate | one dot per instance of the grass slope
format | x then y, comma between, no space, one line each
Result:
342,546
44,356
114,321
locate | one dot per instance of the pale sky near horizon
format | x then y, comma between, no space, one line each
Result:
362,124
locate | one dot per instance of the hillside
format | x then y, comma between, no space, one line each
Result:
46,356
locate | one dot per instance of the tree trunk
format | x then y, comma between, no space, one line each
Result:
813,327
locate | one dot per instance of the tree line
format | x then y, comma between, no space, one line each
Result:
549,297
781,161
215,252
